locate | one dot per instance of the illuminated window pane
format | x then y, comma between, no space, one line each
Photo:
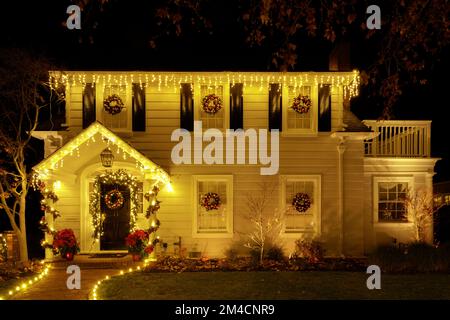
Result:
391,201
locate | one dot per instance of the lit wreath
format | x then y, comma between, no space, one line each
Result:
210,201
113,104
301,202
120,177
301,104
211,103
114,199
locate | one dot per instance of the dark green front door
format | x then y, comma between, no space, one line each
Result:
116,225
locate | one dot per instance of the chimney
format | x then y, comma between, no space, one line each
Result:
339,58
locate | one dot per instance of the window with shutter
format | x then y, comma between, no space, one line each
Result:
120,121
218,120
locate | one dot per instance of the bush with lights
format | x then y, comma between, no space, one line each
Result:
64,241
141,243
3,248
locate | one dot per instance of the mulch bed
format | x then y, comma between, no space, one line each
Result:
173,264
9,270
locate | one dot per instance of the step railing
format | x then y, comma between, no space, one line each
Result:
399,138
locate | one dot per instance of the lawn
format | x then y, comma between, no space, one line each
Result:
272,285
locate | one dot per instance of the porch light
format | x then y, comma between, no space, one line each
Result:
107,158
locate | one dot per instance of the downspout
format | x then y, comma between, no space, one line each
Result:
341,149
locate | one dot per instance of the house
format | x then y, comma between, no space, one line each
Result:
337,178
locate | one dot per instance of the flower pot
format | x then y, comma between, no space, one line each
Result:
69,256
136,257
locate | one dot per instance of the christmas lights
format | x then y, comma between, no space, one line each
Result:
350,80
27,284
119,177
94,294
55,160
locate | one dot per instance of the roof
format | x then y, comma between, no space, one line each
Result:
352,123
54,161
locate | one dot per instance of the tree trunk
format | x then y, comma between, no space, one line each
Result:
23,248
22,238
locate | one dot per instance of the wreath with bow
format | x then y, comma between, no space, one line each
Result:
210,201
301,104
301,202
113,104
114,199
211,103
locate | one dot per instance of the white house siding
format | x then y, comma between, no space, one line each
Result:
419,171
298,156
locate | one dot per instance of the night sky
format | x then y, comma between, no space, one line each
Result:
118,38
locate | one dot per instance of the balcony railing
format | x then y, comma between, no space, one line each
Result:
398,138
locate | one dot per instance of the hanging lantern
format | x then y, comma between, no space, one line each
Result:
107,158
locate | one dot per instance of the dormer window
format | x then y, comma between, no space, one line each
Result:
300,110
110,113
213,119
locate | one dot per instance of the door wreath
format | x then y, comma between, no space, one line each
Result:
210,201
114,199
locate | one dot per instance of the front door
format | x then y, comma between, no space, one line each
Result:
116,224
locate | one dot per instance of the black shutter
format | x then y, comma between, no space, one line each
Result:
325,108
275,100
236,106
138,107
186,107
88,104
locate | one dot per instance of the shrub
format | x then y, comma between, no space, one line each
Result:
231,254
235,250
390,258
255,257
443,258
310,250
414,257
275,253
421,257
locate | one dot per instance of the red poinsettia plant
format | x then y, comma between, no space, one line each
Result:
65,243
137,241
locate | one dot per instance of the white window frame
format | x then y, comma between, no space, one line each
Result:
225,100
313,131
100,89
317,200
229,210
376,180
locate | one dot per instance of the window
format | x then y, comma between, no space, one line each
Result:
295,122
389,198
391,201
120,121
304,221
219,119
215,222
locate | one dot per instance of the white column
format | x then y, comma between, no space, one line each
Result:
341,149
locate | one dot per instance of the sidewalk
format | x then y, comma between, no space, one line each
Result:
53,286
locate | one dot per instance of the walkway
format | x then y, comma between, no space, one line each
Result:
53,286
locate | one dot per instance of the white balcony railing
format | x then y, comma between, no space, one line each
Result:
399,138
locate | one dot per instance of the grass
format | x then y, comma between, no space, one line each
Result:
272,285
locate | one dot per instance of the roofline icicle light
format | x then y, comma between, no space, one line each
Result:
173,80
55,160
